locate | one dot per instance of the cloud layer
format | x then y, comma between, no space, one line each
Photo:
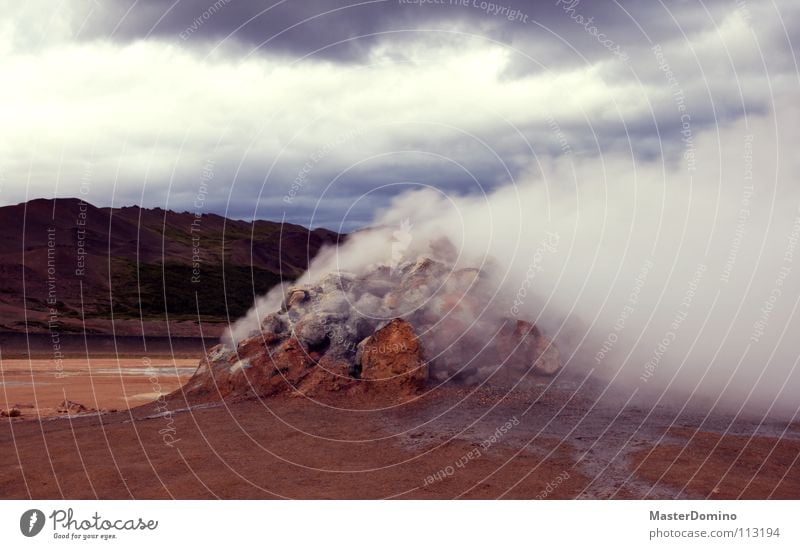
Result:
321,112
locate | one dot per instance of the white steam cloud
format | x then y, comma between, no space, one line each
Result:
672,280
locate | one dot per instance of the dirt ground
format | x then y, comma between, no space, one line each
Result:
704,464
555,440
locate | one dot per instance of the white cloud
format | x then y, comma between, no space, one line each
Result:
151,111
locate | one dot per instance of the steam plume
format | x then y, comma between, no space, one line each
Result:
671,279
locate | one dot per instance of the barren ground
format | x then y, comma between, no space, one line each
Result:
564,441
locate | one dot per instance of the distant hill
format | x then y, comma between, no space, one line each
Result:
151,270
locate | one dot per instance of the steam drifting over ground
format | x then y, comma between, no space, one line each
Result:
674,282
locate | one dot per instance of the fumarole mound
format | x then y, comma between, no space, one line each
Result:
389,332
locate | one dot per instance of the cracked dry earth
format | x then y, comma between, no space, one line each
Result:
558,439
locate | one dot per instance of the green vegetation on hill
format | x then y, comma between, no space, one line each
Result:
155,289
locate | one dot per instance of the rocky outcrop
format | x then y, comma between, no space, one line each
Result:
524,346
391,360
259,366
385,332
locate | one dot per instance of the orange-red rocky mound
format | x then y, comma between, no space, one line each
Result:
388,332
391,358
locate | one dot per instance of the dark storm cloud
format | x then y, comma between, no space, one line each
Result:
551,35
297,28
589,65
282,27
337,195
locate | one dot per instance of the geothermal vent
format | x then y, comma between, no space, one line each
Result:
389,331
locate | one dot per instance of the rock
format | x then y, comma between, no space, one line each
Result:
422,265
522,346
73,408
264,371
294,297
332,302
342,338
516,342
255,344
381,334
338,281
378,287
219,352
312,332
391,359
273,324
548,361
12,412
327,376
281,370
360,327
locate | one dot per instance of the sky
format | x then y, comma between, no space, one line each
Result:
323,112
